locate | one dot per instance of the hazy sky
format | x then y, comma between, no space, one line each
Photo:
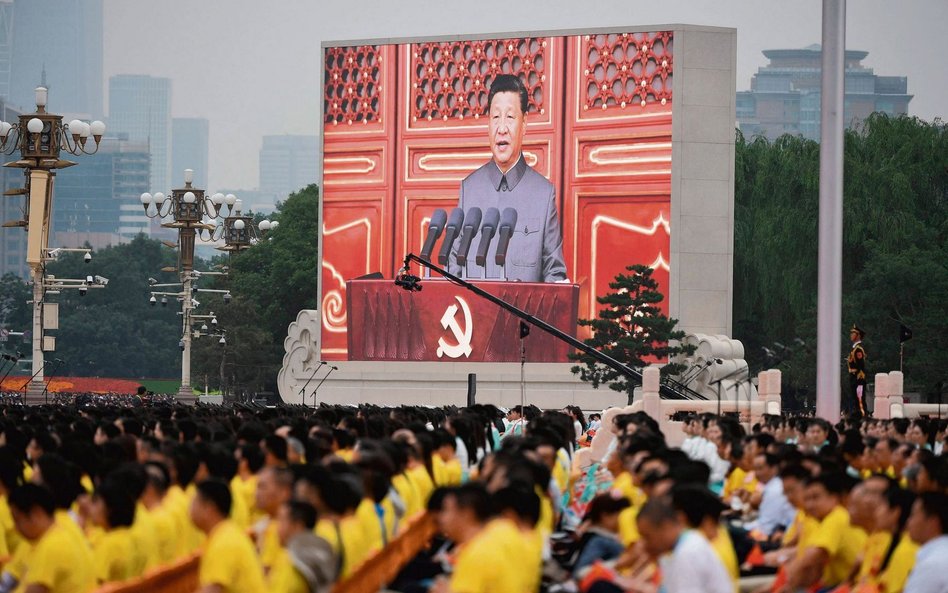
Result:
252,66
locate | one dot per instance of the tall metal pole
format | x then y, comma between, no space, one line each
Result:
186,392
830,277
34,391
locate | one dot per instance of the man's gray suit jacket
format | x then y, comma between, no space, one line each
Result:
535,253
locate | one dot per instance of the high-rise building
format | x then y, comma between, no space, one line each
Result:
189,149
98,201
6,47
287,164
785,94
62,38
140,108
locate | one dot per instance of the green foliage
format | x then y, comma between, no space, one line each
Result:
895,259
632,329
112,331
271,283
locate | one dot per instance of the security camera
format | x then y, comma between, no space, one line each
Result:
226,298
89,280
181,344
101,280
214,321
222,341
195,303
82,290
164,301
153,300
152,282
87,257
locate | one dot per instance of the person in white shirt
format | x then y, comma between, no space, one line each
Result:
688,562
775,509
928,526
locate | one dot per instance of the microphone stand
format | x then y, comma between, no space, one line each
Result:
305,385
321,381
49,380
634,375
724,378
524,332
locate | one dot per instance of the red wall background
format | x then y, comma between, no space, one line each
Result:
402,127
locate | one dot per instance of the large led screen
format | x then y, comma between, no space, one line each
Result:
407,130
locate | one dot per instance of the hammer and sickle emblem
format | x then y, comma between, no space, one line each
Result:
462,336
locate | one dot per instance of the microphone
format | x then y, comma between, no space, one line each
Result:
438,219
489,228
472,222
450,234
508,223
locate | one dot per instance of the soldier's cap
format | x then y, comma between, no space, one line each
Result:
859,331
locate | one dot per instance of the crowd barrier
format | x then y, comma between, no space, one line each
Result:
374,574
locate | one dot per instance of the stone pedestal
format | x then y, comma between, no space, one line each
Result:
186,395
36,393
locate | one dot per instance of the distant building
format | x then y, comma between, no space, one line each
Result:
140,107
6,47
98,202
253,200
287,164
62,38
189,150
785,94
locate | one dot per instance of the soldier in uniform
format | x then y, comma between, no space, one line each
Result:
856,364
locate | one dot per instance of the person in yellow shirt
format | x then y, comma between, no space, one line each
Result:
518,512
888,563
229,563
163,522
309,564
11,473
274,488
117,557
335,493
483,562
55,563
828,557
244,484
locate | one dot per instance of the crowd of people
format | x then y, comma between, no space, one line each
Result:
294,499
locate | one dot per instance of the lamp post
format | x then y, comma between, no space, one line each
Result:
195,215
40,137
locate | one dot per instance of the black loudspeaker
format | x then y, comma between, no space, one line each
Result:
471,388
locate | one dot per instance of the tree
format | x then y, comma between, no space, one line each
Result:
632,329
895,268
271,282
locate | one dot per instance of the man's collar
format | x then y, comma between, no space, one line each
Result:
514,175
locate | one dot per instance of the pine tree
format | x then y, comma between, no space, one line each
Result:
632,329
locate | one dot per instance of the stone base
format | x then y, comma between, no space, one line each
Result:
36,393
548,385
186,395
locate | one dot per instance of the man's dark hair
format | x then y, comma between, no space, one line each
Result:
935,504
523,502
474,497
119,504
157,476
29,496
795,471
276,446
62,478
216,492
658,511
509,83
302,512
835,482
11,469
697,503
605,504
253,454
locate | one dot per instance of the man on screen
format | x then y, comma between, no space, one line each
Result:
535,253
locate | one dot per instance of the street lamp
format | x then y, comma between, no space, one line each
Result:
40,138
195,215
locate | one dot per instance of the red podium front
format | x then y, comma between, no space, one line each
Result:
445,322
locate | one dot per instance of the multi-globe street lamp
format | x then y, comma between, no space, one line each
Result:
40,138
208,218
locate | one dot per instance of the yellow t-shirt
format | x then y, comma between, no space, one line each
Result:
504,549
354,547
437,468
453,472
422,483
246,508
628,528
406,490
893,578
117,557
163,522
268,542
230,561
145,539
876,546
59,564
373,529
187,536
623,484
724,548
284,578
842,542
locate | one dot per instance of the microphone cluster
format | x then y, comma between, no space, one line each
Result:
462,228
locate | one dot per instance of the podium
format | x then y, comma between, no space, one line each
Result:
445,322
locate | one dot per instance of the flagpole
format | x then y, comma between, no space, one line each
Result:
901,353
